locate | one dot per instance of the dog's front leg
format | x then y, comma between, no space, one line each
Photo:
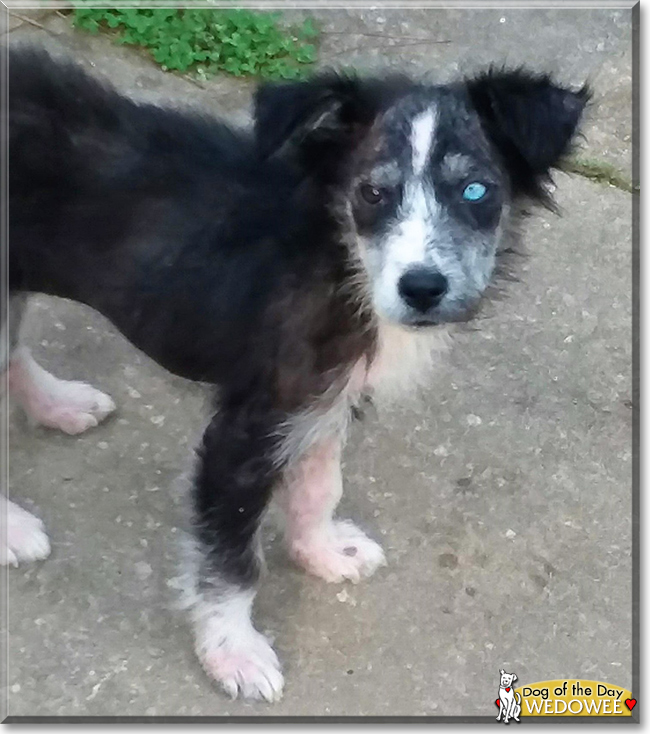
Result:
332,549
508,712
232,487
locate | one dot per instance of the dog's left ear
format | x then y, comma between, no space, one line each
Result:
530,119
320,119
514,678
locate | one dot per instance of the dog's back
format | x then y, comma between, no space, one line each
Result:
61,116
88,160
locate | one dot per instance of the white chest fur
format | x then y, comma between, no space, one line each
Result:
405,359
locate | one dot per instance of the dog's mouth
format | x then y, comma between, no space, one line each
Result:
459,313
423,324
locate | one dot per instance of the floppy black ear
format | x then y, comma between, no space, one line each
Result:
530,120
289,112
321,118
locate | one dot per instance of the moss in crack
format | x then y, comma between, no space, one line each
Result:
599,171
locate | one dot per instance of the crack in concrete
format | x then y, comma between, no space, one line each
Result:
601,172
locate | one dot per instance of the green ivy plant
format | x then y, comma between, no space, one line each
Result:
201,41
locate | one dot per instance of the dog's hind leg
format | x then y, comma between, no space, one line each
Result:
71,406
22,535
334,550
235,477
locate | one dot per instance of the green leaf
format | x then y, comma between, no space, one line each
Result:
306,54
113,21
238,41
308,29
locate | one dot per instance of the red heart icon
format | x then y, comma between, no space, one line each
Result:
498,703
630,703
507,689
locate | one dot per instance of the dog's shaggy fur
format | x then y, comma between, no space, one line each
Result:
295,266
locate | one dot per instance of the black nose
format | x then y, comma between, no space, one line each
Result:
422,288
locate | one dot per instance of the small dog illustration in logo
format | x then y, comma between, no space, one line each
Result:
509,701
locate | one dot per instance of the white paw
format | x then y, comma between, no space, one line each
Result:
342,552
72,407
26,539
248,667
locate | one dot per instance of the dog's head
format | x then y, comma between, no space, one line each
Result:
507,679
425,175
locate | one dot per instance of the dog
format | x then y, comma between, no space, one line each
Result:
297,266
509,700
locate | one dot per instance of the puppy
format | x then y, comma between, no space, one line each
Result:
296,267
509,700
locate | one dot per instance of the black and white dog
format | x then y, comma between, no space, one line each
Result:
296,267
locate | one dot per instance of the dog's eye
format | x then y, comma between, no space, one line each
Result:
370,194
474,191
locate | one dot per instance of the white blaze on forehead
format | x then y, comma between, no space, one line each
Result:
422,138
408,243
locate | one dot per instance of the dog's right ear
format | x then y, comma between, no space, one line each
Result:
322,118
503,672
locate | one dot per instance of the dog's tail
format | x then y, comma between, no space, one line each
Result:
517,698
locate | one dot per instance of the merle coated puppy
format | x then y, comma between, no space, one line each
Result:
296,267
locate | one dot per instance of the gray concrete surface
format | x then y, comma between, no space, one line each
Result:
502,495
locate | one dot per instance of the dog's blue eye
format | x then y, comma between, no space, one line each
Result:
474,191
